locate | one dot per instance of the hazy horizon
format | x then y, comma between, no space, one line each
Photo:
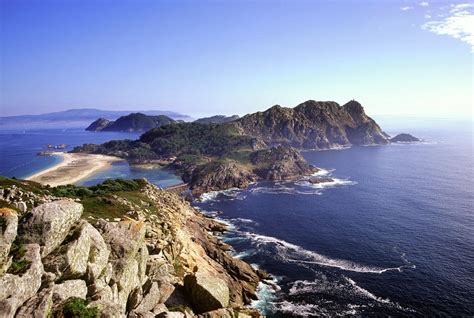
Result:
402,58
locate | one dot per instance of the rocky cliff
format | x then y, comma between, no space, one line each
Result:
313,125
122,249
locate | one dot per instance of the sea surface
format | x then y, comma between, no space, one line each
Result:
393,235
19,149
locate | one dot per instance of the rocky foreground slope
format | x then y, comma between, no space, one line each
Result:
119,249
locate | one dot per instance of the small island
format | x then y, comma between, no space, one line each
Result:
404,138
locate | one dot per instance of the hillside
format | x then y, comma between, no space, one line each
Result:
135,122
123,248
218,119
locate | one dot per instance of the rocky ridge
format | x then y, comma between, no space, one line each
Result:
159,259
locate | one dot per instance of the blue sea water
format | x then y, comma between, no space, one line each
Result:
19,148
392,236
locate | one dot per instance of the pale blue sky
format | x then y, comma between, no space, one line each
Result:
209,57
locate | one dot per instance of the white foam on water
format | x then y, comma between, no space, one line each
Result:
244,221
365,292
232,193
300,309
280,189
322,172
266,294
330,184
244,254
289,252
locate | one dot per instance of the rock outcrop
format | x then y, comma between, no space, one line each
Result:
156,260
404,138
49,224
313,125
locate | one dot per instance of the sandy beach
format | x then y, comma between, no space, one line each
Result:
73,168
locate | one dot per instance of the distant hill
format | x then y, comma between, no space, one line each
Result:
218,119
76,118
131,123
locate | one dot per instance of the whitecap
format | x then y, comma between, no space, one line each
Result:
232,193
289,252
300,309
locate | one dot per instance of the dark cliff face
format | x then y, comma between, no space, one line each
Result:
313,125
131,123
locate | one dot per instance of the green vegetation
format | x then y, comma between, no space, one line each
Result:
26,185
104,188
77,308
19,264
195,139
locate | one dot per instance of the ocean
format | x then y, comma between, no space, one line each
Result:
392,236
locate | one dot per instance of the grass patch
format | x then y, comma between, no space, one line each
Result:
77,308
19,264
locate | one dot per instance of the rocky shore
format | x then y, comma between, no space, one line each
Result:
98,252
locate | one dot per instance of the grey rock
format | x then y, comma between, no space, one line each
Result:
98,254
49,224
171,314
21,206
39,306
76,288
8,230
150,299
15,290
71,260
207,292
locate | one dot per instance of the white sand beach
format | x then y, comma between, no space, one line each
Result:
73,168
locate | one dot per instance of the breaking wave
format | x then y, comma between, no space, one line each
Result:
289,252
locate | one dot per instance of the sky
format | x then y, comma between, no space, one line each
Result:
406,58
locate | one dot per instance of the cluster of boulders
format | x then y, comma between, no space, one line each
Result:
160,265
21,199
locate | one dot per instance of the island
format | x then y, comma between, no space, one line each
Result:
134,122
404,138
259,146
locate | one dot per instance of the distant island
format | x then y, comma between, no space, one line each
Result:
259,146
134,122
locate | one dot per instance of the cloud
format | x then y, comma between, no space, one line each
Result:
459,24
406,8
427,16
424,4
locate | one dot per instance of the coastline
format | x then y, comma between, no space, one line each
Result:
73,168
